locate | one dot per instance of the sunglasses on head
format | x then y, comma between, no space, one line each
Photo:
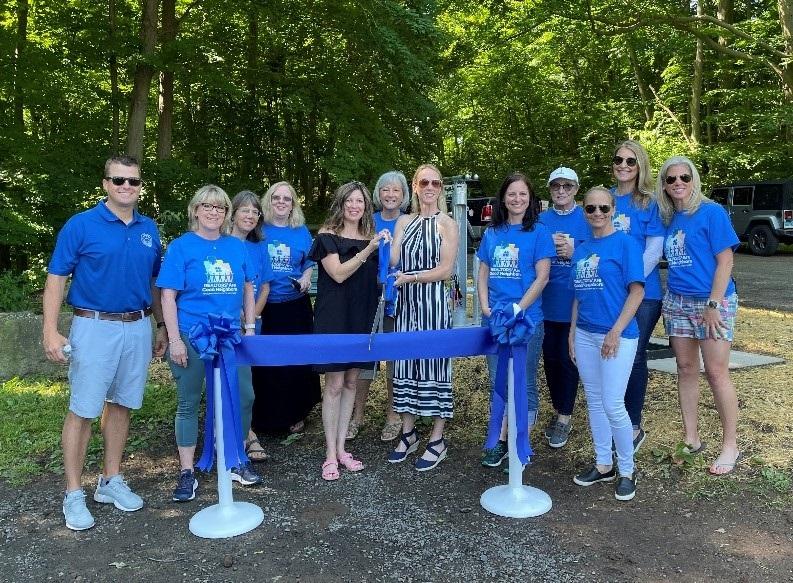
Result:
591,208
617,160
684,177
425,182
119,180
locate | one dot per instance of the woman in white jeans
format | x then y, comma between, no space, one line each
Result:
608,279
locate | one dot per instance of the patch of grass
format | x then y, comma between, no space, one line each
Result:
31,418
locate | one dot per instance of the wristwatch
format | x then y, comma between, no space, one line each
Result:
713,304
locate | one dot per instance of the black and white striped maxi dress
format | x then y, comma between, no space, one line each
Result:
422,387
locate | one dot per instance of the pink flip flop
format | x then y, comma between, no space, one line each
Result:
330,470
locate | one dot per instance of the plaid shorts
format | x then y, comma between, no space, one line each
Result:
683,316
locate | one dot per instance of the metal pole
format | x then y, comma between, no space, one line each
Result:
460,213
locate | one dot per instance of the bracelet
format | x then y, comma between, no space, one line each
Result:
250,326
416,276
358,257
160,324
175,341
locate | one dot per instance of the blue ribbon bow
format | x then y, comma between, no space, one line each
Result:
512,333
215,342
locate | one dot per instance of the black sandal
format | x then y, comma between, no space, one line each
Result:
255,455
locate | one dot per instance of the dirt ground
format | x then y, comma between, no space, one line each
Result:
391,523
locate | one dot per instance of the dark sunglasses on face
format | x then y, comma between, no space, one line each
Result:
684,177
425,182
119,180
591,208
617,160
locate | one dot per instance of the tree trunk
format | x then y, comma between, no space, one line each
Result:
250,155
696,87
21,40
139,100
165,105
644,92
785,8
115,99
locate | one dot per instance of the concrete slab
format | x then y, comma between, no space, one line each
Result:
738,359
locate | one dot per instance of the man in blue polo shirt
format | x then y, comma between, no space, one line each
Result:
113,255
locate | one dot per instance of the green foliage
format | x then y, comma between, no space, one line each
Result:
17,293
31,419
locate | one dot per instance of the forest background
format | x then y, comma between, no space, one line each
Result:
244,93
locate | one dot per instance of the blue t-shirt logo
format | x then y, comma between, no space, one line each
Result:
146,239
622,222
280,256
220,277
586,273
505,262
675,250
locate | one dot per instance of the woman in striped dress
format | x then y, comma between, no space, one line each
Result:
425,243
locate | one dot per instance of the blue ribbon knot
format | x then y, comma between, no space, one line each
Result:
511,332
215,342
387,275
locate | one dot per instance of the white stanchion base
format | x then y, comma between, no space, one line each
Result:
225,521
515,502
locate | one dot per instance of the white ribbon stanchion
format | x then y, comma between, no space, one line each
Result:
514,500
227,518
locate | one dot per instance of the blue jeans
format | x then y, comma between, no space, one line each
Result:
532,361
646,317
561,373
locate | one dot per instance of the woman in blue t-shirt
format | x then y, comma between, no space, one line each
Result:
700,304
608,280
204,271
285,395
566,221
246,225
515,255
392,197
636,214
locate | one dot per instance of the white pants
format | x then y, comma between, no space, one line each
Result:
605,380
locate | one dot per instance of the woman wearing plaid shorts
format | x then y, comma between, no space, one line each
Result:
700,304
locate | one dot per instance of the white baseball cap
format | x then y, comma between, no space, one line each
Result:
563,172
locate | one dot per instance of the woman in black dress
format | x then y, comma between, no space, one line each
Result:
347,292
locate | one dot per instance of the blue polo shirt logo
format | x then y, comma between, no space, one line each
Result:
586,273
219,277
145,238
675,249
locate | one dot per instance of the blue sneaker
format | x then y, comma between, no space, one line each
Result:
245,475
185,487
116,492
76,512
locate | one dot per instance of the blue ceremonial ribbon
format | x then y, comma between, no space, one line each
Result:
282,350
386,275
216,341
512,333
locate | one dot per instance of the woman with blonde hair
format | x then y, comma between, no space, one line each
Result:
204,271
701,302
285,395
425,243
346,251
636,214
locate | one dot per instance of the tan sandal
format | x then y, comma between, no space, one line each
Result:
255,451
391,431
353,429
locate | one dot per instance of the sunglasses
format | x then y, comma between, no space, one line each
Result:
213,207
684,177
425,182
567,187
617,160
119,180
591,208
